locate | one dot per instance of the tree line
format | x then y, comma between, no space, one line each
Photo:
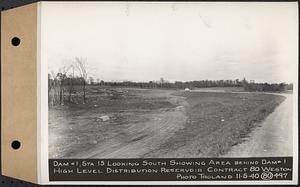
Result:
247,85
266,87
69,84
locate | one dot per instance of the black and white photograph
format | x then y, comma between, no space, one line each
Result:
170,80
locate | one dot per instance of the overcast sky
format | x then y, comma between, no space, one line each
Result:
176,41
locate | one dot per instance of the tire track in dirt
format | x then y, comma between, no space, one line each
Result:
143,137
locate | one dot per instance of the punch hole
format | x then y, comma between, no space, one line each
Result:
16,144
15,41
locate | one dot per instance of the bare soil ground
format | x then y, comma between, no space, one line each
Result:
155,123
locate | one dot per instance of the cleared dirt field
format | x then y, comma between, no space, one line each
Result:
147,123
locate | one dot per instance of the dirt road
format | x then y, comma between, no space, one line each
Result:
272,138
137,139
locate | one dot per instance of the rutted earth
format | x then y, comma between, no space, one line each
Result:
144,137
162,132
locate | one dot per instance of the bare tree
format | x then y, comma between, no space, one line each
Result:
161,81
54,90
51,89
80,64
50,84
71,82
62,75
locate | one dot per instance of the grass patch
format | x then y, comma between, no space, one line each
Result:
218,121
